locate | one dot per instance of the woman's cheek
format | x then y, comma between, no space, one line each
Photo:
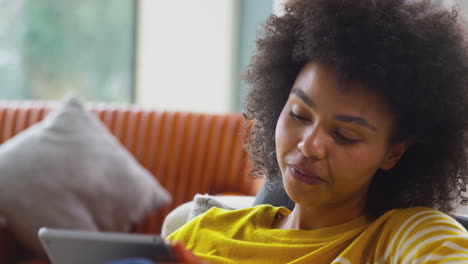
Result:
282,139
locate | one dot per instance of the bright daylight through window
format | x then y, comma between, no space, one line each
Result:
49,48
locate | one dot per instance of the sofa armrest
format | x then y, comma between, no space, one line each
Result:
179,216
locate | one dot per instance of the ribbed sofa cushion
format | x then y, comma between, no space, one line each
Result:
189,153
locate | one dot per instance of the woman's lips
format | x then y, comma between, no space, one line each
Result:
305,178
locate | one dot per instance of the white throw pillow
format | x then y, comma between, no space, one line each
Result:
69,171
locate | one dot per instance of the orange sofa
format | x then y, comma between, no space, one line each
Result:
188,153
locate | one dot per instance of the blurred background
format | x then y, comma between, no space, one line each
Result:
177,55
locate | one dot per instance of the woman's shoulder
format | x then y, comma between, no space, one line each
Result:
417,233
250,213
224,221
421,218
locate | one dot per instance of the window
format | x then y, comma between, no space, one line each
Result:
49,48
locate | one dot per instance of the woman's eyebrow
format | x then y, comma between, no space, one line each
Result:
343,118
299,93
356,120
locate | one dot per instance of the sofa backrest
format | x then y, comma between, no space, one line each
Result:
188,153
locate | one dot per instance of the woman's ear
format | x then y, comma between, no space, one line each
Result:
394,154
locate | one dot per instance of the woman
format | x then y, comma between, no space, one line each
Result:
360,107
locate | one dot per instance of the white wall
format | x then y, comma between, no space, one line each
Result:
463,3
278,7
464,6
186,54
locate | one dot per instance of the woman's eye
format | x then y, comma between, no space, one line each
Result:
298,117
345,139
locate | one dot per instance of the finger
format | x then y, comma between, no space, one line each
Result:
185,256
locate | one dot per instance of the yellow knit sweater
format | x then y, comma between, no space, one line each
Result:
413,235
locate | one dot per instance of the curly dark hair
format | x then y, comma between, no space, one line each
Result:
415,54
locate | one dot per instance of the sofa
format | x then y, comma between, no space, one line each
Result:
188,153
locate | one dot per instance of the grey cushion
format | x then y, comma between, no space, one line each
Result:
462,219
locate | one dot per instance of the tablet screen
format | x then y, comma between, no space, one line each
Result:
78,247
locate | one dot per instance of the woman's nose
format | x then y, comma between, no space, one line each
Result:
313,143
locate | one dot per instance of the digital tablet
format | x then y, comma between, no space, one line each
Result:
87,247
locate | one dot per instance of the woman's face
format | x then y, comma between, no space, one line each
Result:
330,143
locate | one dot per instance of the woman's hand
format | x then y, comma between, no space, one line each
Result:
184,255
